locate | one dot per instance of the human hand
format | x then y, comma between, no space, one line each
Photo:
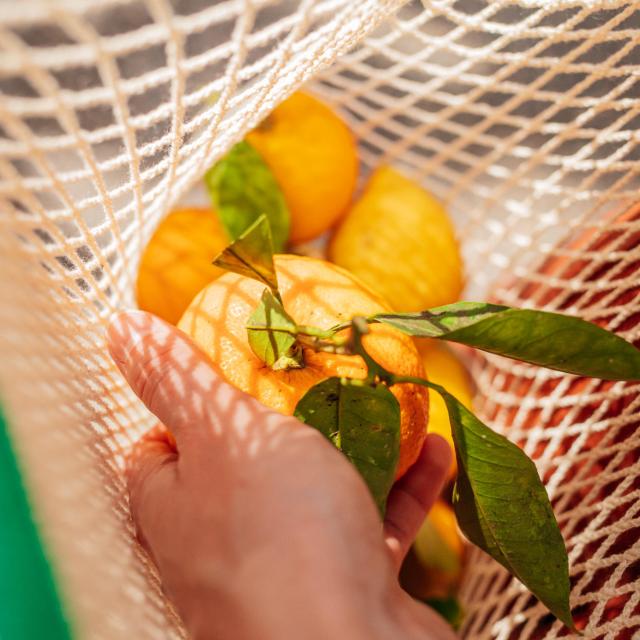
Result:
259,527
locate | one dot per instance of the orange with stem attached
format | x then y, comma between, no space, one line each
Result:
314,293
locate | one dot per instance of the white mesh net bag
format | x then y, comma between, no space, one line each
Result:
522,116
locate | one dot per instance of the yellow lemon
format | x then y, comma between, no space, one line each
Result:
312,155
398,238
446,370
176,263
434,565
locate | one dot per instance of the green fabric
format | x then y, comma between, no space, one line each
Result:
29,605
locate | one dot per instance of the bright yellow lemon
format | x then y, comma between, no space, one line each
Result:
398,238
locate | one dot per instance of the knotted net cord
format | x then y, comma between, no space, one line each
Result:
522,116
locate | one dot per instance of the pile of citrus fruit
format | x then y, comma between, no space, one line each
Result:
299,167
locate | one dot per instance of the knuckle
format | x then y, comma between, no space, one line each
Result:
145,475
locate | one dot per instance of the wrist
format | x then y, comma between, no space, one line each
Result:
317,619
296,601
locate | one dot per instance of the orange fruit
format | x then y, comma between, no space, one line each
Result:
176,263
316,293
399,239
313,156
434,566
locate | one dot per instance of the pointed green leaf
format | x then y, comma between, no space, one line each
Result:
320,408
551,340
272,334
440,321
503,508
251,255
242,188
363,421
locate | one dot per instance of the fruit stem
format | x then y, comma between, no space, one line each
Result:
375,372
340,327
327,346
325,340
316,333
345,325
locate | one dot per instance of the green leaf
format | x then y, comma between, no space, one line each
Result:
440,321
503,508
272,334
242,188
551,340
251,255
363,421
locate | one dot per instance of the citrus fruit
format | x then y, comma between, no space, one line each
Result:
319,294
434,567
446,370
176,263
398,238
312,155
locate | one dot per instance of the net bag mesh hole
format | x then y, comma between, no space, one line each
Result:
522,117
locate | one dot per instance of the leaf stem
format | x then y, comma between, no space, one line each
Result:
324,334
375,371
415,380
326,346
301,330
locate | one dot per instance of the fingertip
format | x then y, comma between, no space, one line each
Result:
116,337
120,322
127,331
436,453
159,362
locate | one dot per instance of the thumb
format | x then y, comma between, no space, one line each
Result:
168,372
414,494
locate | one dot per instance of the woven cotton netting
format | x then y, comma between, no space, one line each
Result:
523,117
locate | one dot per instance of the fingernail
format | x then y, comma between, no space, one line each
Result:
125,331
